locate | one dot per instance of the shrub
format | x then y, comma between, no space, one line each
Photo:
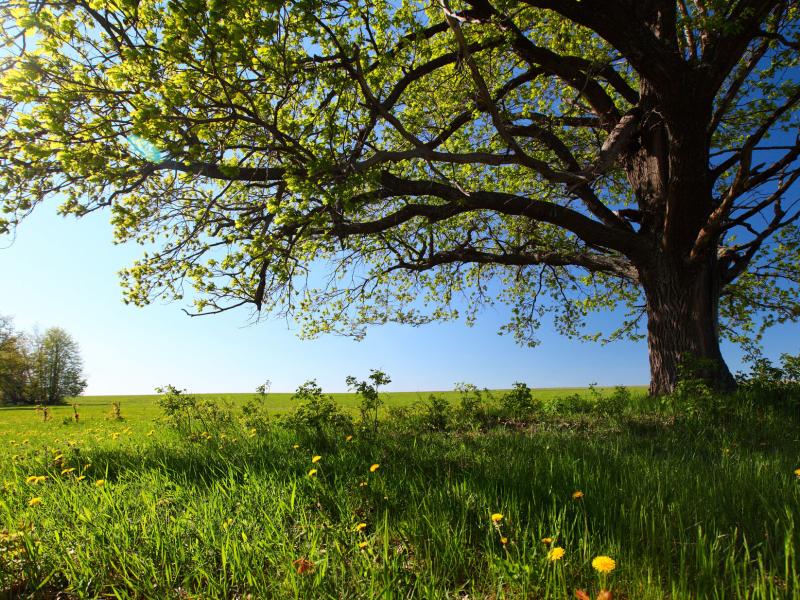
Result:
692,397
254,412
190,415
471,412
370,399
613,405
436,413
519,400
317,411
572,404
771,386
471,401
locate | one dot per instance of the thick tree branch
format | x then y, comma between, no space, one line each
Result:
627,31
590,261
590,231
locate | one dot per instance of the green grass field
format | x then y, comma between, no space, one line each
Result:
687,508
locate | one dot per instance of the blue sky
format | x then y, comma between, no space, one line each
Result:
63,272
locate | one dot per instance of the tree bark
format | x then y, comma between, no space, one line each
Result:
682,324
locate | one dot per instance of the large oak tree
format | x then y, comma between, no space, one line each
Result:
355,162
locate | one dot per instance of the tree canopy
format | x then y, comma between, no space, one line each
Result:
352,163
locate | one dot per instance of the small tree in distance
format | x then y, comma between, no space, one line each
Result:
14,363
57,367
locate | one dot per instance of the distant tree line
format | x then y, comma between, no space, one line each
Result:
38,368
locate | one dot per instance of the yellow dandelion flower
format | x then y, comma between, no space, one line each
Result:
349,438
577,495
556,553
35,501
374,467
363,545
296,446
67,471
312,473
604,564
361,527
503,540
32,479
316,459
547,540
100,483
797,472
497,517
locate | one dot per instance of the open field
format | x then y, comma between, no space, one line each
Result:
144,406
687,507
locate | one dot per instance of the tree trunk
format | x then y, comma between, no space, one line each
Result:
682,324
668,171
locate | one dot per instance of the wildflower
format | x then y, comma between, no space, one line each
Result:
316,459
312,473
349,438
374,467
296,446
361,527
556,553
32,479
80,478
547,541
577,495
363,484
797,472
362,545
100,483
67,471
302,565
503,540
604,564
497,517
35,501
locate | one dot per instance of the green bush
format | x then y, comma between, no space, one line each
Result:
318,412
437,414
770,386
190,415
519,401
255,415
370,398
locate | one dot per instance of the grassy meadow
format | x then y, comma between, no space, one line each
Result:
445,500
